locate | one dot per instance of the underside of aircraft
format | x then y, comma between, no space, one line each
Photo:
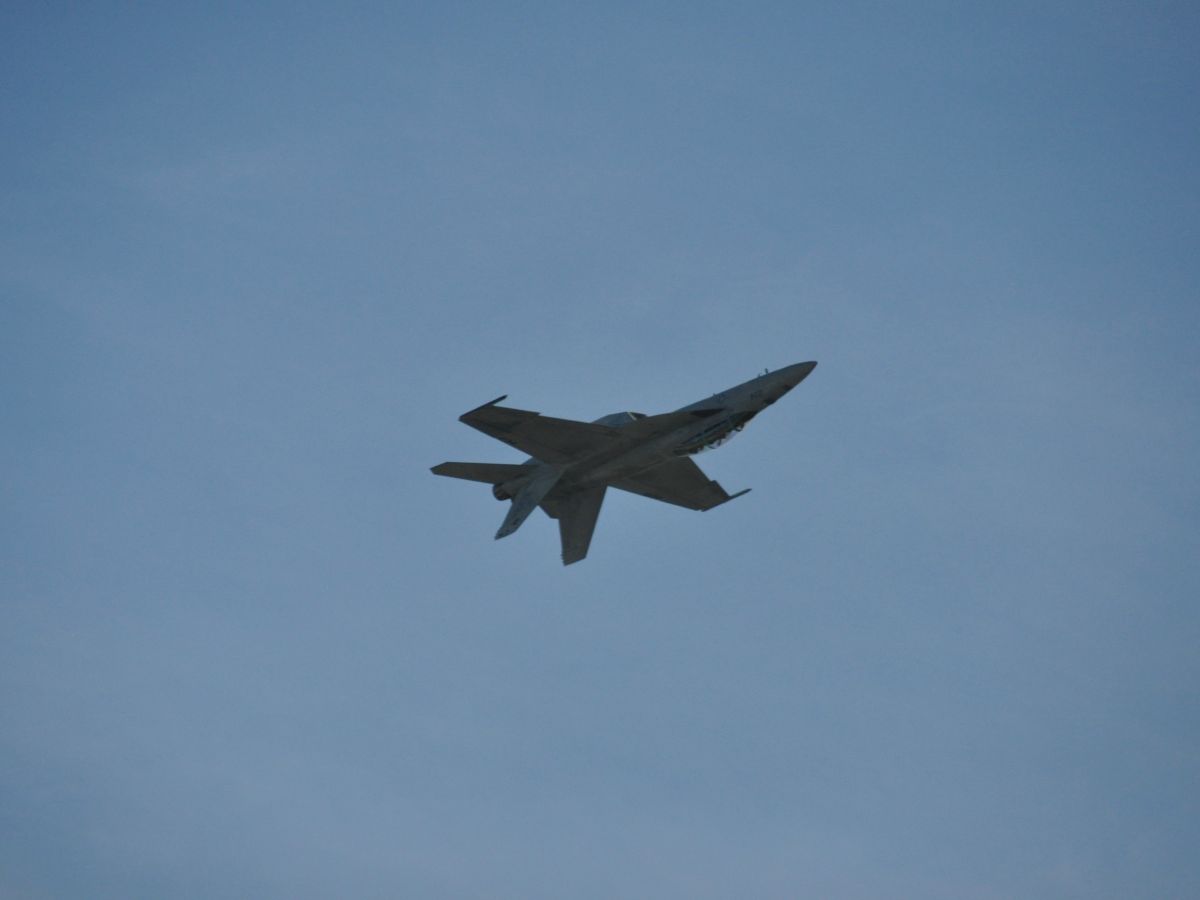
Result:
572,464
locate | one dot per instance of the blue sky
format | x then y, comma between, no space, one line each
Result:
256,261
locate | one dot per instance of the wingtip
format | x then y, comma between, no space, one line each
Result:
483,406
726,500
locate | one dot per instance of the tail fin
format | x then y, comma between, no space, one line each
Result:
488,473
576,514
527,499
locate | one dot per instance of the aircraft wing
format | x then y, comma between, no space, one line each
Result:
542,437
679,481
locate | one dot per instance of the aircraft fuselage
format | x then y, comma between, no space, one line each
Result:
573,463
730,411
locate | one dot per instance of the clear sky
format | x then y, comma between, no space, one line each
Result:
257,259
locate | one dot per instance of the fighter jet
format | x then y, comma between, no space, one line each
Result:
572,464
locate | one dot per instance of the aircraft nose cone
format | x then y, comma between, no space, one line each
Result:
787,378
798,372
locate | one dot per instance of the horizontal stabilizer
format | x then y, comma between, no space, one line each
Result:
488,473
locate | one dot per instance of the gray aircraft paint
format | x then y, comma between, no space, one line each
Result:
574,463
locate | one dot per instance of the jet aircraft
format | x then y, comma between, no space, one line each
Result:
572,464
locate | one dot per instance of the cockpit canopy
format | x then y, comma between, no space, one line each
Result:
616,420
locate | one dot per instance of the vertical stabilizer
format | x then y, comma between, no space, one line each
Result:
577,517
527,499
488,473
